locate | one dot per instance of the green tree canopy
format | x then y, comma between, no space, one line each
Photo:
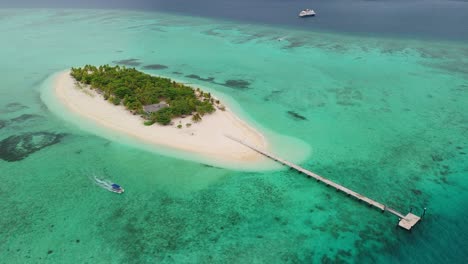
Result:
136,89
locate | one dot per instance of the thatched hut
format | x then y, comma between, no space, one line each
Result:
154,107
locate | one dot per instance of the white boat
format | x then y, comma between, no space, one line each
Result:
307,12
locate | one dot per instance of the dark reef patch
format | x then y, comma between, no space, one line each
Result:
445,170
25,117
158,29
211,32
238,84
15,148
272,95
2,124
176,72
452,67
320,208
437,157
296,115
210,166
155,67
194,76
128,62
14,107
347,96
292,43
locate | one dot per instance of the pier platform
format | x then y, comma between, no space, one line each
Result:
409,221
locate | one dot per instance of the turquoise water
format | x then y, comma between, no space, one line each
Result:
385,117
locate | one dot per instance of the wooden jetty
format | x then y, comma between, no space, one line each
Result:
406,221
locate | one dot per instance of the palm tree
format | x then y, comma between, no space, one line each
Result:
196,118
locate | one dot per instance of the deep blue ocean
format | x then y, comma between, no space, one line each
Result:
434,19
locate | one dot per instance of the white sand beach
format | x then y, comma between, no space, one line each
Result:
205,138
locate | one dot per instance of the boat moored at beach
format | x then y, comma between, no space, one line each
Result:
307,12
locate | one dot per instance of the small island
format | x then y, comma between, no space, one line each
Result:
169,117
156,99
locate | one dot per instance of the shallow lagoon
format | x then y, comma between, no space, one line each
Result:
385,117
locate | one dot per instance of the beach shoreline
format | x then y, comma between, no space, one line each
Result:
206,139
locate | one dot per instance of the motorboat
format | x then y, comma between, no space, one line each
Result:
307,12
117,188
108,185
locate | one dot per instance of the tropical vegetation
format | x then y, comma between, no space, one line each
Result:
135,89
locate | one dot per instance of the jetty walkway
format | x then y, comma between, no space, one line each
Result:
406,221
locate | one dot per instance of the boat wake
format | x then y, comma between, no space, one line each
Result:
281,38
108,185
